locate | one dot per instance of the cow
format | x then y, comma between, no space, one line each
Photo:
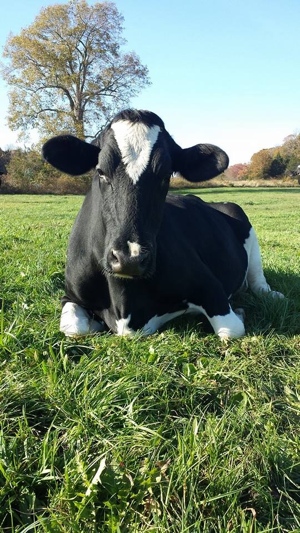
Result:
138,256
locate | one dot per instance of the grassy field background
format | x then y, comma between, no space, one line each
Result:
177,432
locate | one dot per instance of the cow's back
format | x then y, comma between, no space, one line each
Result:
197,239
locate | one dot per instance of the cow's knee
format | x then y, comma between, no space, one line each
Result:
227,326
230,326
75,321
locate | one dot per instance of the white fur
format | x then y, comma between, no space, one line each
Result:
157,322
134,248
135,142
75,321
228,326
123,328
255,276
150,327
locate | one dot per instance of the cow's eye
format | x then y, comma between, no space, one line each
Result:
102,176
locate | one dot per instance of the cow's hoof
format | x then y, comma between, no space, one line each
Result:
276,294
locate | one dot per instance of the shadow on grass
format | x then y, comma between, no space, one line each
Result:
264,314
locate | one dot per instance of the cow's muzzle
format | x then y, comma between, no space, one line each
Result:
127,265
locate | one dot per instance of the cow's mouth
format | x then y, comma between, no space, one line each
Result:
130,276
145,276
124,276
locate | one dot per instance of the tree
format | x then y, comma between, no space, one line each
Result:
237,171
4,160
260,164
277,166
67,71
28,173
290,151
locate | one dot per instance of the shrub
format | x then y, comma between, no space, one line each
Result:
29,173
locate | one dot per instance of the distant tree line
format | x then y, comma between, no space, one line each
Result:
278,162
23,170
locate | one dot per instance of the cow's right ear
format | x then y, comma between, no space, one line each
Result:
201,162
70,154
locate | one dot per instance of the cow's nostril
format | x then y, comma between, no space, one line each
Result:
115,260
121,264
115,256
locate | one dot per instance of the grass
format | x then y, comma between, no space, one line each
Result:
177,432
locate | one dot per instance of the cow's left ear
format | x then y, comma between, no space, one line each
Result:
70,154
200,162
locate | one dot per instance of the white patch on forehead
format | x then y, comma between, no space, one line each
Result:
134,248
135,142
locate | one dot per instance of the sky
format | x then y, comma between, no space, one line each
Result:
225,72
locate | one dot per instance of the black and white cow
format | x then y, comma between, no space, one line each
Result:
138,257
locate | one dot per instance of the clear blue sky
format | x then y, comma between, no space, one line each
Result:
223,71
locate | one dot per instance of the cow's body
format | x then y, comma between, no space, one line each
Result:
139,264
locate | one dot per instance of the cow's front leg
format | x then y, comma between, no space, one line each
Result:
76,321
151,326
227,326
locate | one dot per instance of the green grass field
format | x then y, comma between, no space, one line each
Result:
177,432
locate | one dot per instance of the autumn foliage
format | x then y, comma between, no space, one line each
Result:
278,162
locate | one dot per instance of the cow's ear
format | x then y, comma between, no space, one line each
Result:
200,162
70,154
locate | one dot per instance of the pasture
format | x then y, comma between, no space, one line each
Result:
178,432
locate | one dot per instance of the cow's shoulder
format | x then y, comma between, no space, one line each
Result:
191,205
230,209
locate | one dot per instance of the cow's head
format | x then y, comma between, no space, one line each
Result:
133,158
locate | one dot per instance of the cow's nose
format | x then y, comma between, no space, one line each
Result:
125,265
